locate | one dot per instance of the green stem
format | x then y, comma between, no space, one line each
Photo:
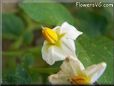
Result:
12,53
21,52
30,26
44,70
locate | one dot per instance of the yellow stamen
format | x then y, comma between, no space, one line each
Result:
80,79
50,35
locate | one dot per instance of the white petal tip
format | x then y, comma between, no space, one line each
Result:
51,63
81,33
65,22
103,64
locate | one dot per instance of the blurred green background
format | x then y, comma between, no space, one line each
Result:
22,39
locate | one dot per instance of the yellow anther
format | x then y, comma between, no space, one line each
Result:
50,35
80,80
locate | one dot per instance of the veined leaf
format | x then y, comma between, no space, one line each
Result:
12,26
47,13
95,50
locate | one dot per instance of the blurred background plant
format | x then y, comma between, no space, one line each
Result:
22,39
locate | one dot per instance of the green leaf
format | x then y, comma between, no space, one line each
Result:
95,50
27,37
12,26
47,13
91,22
22,76
95,21
17,76
95,47
28,60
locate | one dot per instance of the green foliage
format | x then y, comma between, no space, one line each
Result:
27,38
12,26
96,50
28,60
99,22
20,74
47,13
17,76
95,22
96,44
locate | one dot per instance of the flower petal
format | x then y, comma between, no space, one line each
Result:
69,46
51,53
59,78
45,51
72,66
95,71
57,53
57,29
71,31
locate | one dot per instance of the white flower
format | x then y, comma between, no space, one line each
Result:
73,72
59,42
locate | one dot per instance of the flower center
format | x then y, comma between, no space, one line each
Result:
50,35
80,79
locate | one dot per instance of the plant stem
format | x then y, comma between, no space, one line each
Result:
44,70
21,52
